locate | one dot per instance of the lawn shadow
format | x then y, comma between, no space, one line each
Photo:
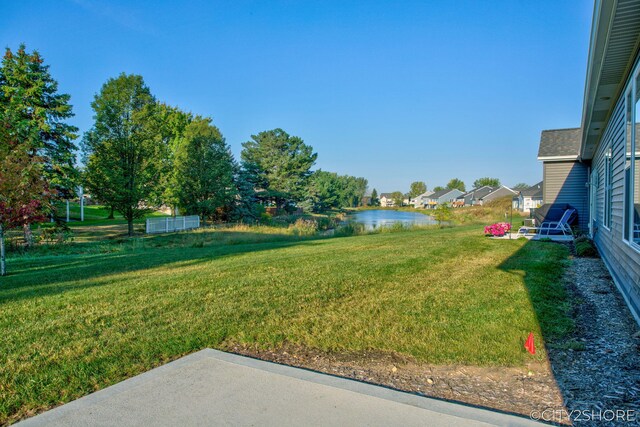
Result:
542,266
54,274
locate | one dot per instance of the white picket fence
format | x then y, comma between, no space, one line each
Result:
171,224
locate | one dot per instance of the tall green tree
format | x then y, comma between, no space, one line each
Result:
34,117
204,170
327,190
374,201
438,188
323,191
172,123
491,182
417,188
123,148
278,165
521,186
443,213
398,198
456,183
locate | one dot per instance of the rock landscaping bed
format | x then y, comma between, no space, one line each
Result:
595,369
598,368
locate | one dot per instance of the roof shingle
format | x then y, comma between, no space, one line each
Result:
560,143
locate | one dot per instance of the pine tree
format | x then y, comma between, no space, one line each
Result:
374,198
278,165
33,114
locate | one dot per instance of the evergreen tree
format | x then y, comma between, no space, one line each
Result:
35,134
374,201
278,165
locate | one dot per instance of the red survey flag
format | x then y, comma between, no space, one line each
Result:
529,345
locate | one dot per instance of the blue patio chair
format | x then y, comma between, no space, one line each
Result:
552,227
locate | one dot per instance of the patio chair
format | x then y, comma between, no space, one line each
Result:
549,227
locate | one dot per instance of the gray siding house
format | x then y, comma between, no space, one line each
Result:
442,196
421,200
529,198
474,197
563,172
603,178
499,193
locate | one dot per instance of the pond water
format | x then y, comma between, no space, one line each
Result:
372,219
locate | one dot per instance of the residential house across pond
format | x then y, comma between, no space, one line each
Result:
529,198
441,197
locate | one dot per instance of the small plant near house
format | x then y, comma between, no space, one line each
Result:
498,229
584,247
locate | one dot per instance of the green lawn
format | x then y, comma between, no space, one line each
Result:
94,215
84,317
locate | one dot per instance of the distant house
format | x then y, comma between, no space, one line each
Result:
386,201
596,168
441,197
421,200
474,197
498,193
529,198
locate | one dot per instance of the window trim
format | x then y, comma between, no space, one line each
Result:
607,193
628,221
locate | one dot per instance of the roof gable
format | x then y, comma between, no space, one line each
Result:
560,144
441,193
533,191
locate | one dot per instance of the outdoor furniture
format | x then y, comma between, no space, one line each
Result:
549,227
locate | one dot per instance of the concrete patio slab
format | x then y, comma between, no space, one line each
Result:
216,388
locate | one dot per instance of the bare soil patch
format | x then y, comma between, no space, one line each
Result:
512,390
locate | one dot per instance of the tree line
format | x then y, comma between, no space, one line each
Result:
141,154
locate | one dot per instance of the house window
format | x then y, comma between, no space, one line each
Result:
608,178
632,166
628,150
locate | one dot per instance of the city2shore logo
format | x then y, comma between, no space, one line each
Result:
585,415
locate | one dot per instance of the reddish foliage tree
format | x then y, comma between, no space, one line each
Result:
24,194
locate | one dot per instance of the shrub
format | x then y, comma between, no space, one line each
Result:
57,235
324,223
350,229
265,218
498,229
585,248
304,227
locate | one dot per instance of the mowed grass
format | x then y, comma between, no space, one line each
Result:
77,322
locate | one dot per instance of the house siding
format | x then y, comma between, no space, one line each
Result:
621,258
565,183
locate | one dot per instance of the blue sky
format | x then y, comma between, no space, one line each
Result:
393,91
